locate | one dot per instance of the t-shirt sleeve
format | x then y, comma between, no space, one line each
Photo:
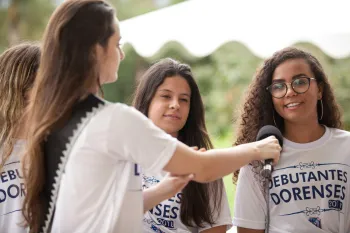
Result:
222,217
133,137
250,204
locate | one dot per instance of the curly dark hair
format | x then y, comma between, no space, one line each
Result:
257,110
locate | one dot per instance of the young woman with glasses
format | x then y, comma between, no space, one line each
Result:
309,188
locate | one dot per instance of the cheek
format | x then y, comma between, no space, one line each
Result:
112,59
186,111
314,93
155,110
277,104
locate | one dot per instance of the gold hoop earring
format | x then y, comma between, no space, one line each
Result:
273,116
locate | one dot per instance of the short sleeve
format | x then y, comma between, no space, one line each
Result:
135,138
222,217
250,204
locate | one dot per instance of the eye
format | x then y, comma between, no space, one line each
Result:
300,81
184,100
165,96
278,86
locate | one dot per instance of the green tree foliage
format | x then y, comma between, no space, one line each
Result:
27,19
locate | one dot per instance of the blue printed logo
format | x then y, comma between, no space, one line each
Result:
156,229
316,221
335,204
167,223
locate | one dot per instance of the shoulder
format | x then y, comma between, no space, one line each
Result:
340,134
121,113
125,111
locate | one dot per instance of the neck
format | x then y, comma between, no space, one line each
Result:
303,132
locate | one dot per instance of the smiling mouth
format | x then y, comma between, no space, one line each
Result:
293,105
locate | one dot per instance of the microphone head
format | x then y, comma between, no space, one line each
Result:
270,130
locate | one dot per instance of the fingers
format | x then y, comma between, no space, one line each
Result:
276,159
277,154
278,147
202,149
181,181
270,149
189,177
274,140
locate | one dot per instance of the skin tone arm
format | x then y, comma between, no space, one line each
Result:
218,229
246,230
166,188
213,164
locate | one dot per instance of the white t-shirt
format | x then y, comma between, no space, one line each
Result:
309,191
165,217
101,186
12,192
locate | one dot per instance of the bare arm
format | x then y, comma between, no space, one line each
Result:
165,189
218,229
246,230
214,164
152,197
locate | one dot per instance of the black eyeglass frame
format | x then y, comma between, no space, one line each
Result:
291,84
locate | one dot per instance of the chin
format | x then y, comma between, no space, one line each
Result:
110,80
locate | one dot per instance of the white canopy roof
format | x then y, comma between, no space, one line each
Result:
264,26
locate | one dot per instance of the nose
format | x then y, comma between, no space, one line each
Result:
174,104
290,91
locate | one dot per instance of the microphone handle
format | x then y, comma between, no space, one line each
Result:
267,169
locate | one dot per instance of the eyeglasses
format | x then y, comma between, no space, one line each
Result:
299,85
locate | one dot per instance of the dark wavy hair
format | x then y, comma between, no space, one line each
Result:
258,107
195,204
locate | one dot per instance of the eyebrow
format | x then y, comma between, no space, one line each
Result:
294,77
167,90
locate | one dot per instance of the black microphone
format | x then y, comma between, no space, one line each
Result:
264,132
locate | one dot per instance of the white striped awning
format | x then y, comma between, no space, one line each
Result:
264,26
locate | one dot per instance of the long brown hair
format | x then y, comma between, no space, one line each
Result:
18,66
68,69
197,198
258,107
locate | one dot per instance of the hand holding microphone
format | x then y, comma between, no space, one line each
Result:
269,142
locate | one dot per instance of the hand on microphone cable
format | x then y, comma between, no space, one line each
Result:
268,148
275,136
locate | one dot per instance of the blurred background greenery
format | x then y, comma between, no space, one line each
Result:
222,76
